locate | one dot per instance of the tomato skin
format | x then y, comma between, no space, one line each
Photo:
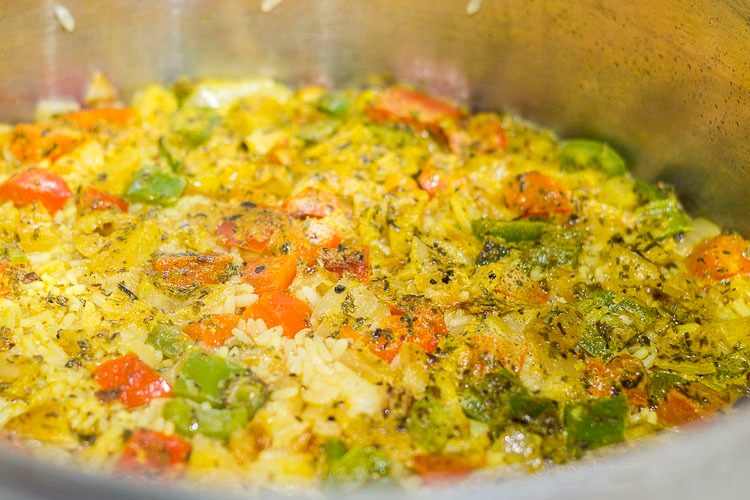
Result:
270,274
283,310
433,181
36,184
131,380
254,229
154,453
214,330
92,199
720,258
535,194
446,467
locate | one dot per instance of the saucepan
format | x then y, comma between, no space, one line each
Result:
665,81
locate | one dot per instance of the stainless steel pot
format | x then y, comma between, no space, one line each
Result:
667,81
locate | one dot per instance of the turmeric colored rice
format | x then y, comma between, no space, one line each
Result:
240,283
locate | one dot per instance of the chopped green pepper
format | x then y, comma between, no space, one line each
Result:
429,423
155,187
663,218
194,125
334,103
203,377
13,252
334,448
585,153
659,384
611,321
539,414
317,131
245,391
168,339
555,249
190,418
358,466
595,423
510,231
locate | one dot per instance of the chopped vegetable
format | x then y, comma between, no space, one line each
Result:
251,229
446,467
312,202
130,380
190,418
193,270
168,339
402,105
585,153
334,103
595,423
433,180
535,194
429,423
194,125
510,231
358,466
663,218
155,187
720,258
278,309
348,260
213,330
36,185
270,274
154,453
93,199
677,409
32,143
203,377
87,119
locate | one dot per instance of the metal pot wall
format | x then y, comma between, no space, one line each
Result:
666,81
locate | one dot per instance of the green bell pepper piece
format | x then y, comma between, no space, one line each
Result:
595,423
168,339
358,466
155,187
585,153
510,231
203,377
190,418
429,424
334,103
194,125
663,218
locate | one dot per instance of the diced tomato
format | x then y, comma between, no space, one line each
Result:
402,105
423,326
348,260
130,380
88,119
93,199
270,274
720,258
623,375
312,202
213,330
677,409
154,453
483,134
36,184
309,237
516,285
277,309
192,269
533,194
487,351
446,467
433,180
252,229
31,143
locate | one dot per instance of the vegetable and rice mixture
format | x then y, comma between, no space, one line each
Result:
236,281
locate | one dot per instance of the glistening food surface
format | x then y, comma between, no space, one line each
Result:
238,282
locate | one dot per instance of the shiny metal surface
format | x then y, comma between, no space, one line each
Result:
667,81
